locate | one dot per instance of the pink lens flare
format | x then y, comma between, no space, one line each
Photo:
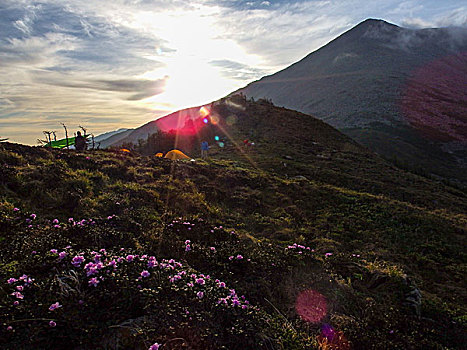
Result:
311,306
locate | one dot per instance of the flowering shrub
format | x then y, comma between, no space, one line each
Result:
97,288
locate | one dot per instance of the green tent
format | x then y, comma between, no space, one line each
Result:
61,143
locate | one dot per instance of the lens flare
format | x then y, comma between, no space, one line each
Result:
205,120
221,144
216,138
332,339
204,112
434,99
214,119
311,306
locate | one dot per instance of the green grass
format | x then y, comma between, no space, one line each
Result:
389,232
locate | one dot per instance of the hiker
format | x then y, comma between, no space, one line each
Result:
204,149
80,142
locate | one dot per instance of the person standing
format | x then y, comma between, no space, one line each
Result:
204,149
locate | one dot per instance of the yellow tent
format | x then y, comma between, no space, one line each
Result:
125,150
176,154
160,155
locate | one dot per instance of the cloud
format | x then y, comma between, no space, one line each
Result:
416,23
455,18
138,88
238,71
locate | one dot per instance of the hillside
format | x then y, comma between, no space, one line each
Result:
178,120
398,91
327,248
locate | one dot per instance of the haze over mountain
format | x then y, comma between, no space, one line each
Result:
399,91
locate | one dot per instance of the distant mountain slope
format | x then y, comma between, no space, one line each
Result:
104,136
114,138
178,120
401,92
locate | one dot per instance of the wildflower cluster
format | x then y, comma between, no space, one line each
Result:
299,249
19,285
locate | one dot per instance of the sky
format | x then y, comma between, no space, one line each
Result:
116,64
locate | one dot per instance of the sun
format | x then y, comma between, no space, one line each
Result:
195,40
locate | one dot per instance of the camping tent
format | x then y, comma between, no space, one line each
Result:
160,155
176,154
63,142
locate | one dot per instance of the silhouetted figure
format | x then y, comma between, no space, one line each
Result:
204,149
80,142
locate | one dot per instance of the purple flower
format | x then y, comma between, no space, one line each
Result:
187,248
57,226
54,306
222,301
200,281
54,251
55,221
328,254
20,288
130,257
187,242
12,280
213,249
16,302
235,302
61,255
70,220
154,346
52,324
33,216
77,260
200,295
9,328
221,284
15,209
239,257
231,257
93,282
18,295
145,273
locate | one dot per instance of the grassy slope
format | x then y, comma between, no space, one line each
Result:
408,231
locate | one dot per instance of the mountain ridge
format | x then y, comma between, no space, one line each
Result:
358,82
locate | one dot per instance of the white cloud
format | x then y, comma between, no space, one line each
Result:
455,18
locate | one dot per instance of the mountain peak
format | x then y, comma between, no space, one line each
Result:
372,21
